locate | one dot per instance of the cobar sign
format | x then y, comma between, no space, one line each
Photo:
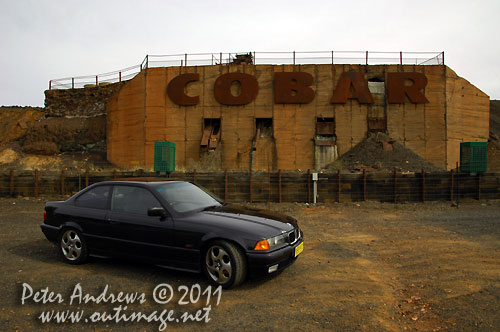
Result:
295,88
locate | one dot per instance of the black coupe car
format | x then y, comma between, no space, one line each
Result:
174,224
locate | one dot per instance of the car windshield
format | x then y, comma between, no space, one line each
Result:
187,197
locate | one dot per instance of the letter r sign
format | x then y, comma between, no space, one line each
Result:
397,88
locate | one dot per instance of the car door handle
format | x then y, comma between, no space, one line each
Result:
112,222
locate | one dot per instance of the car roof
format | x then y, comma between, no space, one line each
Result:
142,181
146,179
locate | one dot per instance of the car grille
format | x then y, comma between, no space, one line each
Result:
293,236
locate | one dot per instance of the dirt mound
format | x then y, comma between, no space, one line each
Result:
30,141
380,153
27,127
55,135
16,121
14,159
8,156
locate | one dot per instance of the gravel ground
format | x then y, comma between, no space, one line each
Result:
365,267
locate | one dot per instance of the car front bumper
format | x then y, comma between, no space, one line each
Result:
259,263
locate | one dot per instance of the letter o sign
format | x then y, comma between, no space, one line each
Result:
248,84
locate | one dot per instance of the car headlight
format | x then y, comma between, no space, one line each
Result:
270,243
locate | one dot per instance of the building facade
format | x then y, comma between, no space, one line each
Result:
291,117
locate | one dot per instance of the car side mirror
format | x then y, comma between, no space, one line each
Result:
157,212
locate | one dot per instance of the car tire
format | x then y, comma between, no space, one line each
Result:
72,246
224,264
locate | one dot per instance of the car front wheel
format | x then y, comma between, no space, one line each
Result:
225,264
73,247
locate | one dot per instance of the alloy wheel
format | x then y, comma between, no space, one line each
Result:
218,264
71,245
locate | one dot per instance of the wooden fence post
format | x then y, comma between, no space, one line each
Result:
114,174
478,186
62,182
458,186
423,185
451,185
250,185
36,183
11,184
308,186
194,176
339,186
86,178
79,180
279,185
268,185
225,185
395,186
364,184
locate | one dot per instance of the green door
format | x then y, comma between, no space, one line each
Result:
164,157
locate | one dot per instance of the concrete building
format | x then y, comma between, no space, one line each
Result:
291,116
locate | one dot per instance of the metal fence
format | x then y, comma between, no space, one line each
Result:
279,186
258,58
95,80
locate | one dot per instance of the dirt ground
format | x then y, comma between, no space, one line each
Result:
365,267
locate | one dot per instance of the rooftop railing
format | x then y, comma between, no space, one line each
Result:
257,58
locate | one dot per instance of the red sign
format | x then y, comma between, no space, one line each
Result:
295,88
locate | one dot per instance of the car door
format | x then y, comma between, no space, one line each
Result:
137,234
89,211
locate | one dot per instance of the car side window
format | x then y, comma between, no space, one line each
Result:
129,199
96,198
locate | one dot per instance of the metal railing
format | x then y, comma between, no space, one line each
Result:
95,80
258,58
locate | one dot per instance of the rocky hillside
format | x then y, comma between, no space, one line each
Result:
70,131
62,135
495,117
494,141
16,121
89,101
29,140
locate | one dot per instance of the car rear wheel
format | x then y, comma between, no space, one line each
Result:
73,247
225,264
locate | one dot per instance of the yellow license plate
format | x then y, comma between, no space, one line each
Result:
299,249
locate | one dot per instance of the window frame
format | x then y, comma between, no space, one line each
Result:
89,189
110,207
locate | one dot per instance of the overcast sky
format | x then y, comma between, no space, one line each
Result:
43,40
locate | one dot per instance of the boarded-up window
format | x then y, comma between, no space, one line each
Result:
325,150
377,121
325,127
211,134
377,124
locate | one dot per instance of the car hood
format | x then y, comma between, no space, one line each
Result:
251,219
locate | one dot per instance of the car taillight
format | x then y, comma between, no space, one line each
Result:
44,215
